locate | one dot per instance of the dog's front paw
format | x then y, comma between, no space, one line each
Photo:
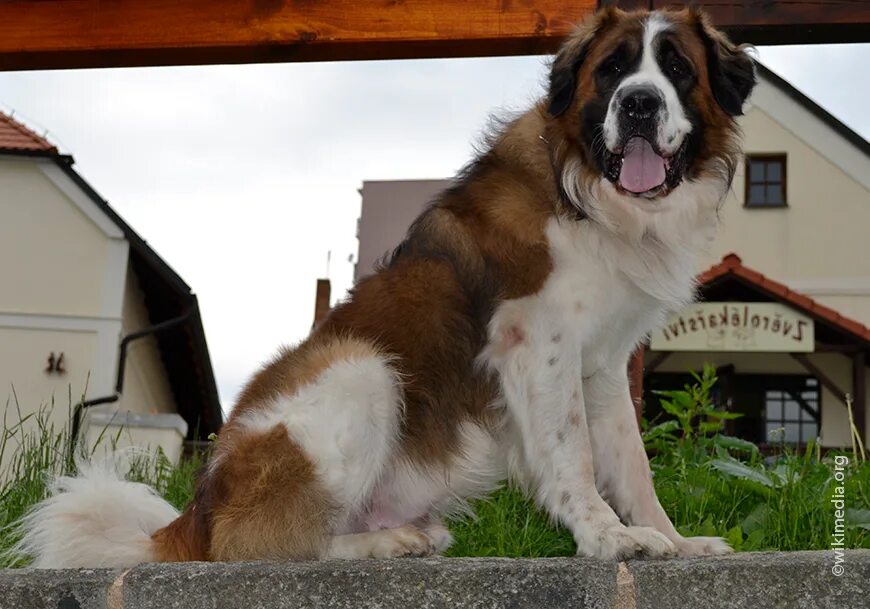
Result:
702,546
403,541
621,542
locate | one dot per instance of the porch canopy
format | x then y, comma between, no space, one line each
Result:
743,314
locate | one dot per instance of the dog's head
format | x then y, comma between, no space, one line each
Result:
645,101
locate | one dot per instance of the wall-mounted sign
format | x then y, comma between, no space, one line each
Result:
735,326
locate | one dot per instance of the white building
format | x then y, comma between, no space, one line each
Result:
75,281
793,243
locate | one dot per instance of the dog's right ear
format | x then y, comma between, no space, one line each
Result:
569,60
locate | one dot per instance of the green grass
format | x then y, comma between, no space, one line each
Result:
789,513
508,524
708,483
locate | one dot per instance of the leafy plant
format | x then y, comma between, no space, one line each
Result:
695,418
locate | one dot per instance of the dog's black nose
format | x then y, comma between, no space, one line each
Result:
641,101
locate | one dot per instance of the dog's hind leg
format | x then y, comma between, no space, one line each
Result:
300,468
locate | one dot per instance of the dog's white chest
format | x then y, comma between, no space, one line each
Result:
594,301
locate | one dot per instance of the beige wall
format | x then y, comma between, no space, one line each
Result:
146,386
23,353
56,287
23,359
54,257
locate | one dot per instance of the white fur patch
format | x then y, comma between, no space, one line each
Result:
346,422
411,493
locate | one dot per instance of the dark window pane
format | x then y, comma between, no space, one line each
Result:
756,195
774,194
756,171
774,171
809,432
792,432
774,411
792,410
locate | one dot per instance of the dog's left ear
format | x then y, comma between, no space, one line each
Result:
731,70
569,59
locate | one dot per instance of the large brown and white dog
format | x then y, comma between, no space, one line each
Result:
492,343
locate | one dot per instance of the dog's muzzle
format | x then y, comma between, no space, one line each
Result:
638,166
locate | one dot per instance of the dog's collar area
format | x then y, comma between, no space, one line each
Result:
579,214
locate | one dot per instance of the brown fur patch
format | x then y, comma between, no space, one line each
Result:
271,506
262,501
184,539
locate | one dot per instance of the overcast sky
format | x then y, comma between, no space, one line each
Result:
244,177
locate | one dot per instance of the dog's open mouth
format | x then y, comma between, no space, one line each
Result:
640,169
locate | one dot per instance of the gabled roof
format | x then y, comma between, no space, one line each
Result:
815,109
15,137
184,350
732,267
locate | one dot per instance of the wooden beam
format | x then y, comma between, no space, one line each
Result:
787,21
47,34
96,33
824,379
635,381
656,361
827,348
859,393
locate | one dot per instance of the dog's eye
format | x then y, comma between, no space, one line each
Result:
677,67
612,67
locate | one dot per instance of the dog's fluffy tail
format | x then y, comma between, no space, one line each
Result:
96,519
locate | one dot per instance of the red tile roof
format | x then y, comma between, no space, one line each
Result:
733,266
15,137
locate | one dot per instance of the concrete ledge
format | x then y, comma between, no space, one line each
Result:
787,580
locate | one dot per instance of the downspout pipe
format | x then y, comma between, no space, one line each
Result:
119,383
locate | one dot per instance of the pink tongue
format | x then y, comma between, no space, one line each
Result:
642,169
